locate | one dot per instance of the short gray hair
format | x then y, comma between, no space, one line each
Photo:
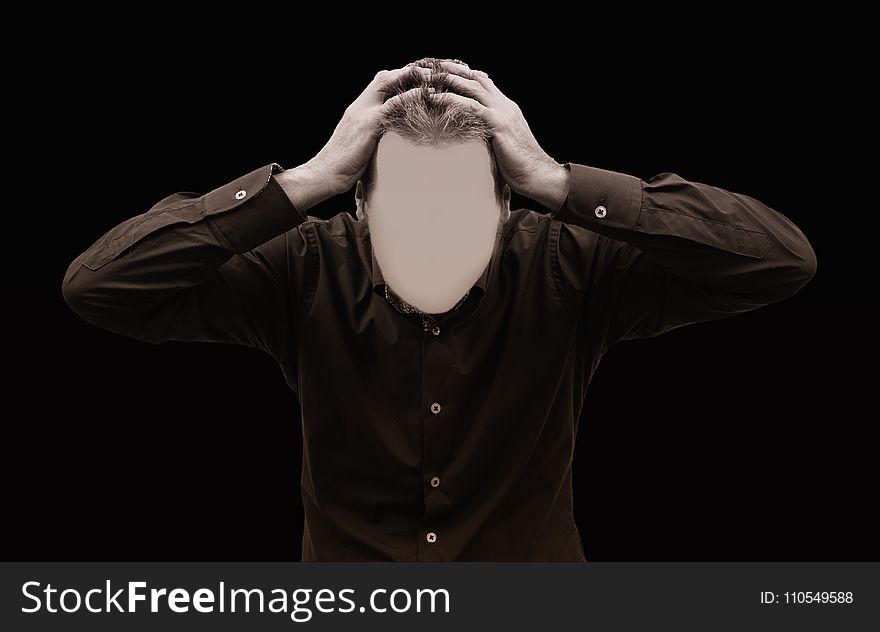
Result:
419,118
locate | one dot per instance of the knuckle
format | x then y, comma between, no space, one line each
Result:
510,117
381,76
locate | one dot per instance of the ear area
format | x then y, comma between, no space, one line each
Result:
359,200
505,203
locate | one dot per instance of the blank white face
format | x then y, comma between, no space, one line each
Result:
432,215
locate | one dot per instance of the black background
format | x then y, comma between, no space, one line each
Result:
118,450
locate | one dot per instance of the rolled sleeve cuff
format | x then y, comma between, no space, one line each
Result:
599,198
252,210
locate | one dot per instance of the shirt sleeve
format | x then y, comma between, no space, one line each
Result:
227,266
638,258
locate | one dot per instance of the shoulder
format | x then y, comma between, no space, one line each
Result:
526,227
342,228
525,220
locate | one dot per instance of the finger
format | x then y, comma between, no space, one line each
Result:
471,104
384,78
390,102
469,88
462,70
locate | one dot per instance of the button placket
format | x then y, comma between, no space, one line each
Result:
433,349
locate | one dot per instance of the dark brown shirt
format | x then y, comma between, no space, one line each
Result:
454,441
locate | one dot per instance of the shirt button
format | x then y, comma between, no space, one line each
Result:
435,408
240,194
601,211
436,330
431,537
435,482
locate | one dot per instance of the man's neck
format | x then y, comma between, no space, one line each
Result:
407,308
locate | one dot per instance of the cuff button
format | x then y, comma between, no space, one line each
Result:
601,212
240,194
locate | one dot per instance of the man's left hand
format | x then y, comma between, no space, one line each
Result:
526,168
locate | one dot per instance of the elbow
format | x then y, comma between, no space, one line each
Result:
783,272
795,270
808,265
87,293
74,288
94,295
803,265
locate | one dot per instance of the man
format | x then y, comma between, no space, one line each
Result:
440,344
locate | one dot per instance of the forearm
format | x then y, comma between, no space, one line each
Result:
694,231
550,186
134,279
307,185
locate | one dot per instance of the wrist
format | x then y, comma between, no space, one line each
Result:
306,186
550,186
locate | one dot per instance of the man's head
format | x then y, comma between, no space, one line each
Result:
431,194
431,153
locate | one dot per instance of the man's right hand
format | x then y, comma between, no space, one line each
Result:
341,161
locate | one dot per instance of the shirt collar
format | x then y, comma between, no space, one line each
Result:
379,281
